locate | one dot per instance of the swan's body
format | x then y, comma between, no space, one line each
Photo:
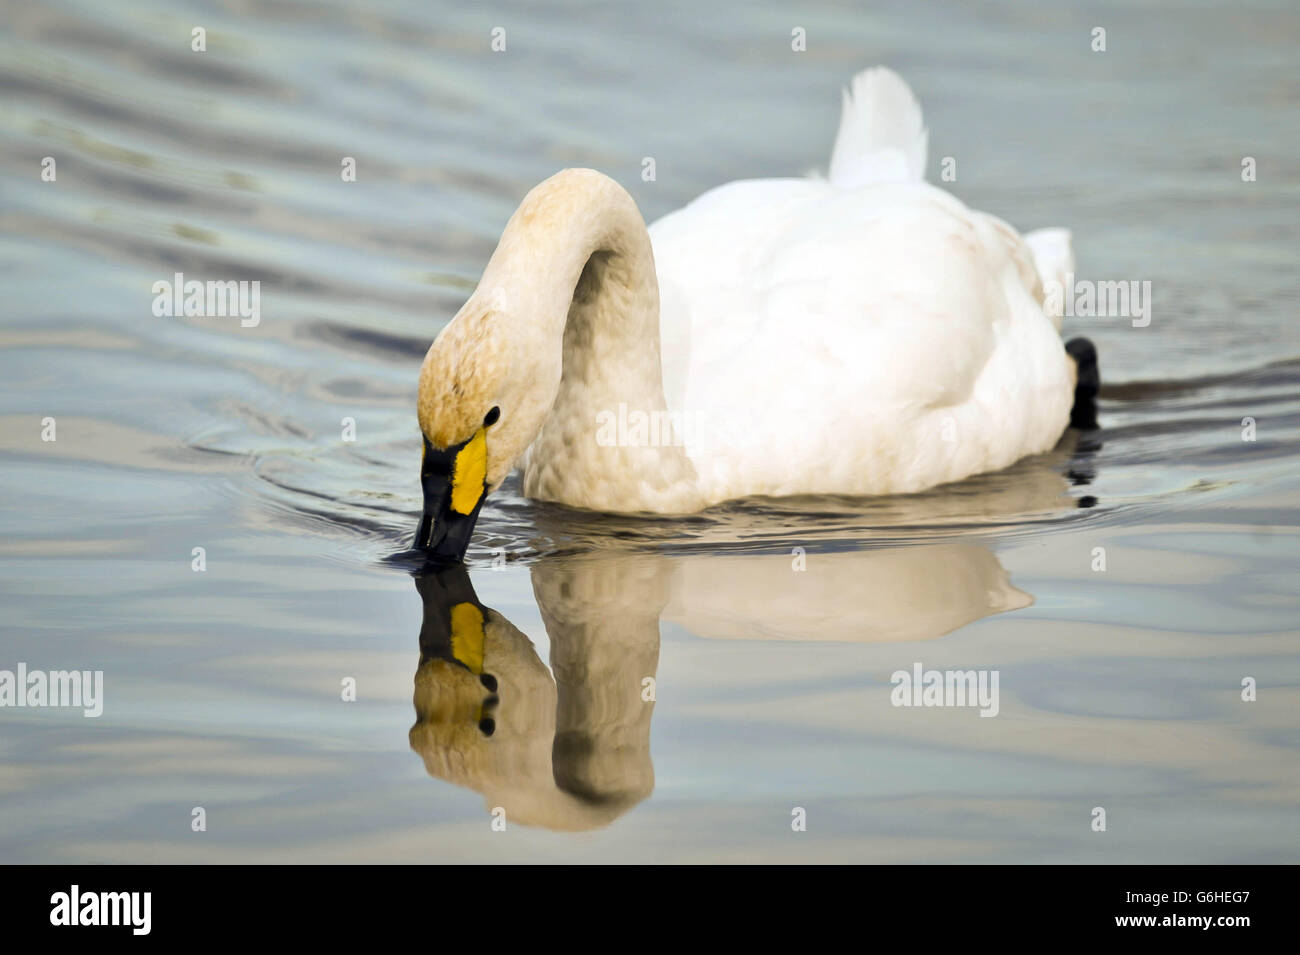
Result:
865,334
878,340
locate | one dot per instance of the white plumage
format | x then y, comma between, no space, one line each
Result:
861,334
864,335
881,137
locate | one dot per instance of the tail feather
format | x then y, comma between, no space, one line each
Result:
882,137
1054,260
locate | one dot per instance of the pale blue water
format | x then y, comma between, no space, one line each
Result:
1119,688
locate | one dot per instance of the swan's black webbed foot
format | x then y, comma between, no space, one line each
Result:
1083,415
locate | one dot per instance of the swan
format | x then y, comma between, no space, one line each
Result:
860,334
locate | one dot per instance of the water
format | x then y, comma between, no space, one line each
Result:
1119,688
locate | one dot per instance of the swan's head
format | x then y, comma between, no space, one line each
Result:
485,390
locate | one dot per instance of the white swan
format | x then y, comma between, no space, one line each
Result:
862,334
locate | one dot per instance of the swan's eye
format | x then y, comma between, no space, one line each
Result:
491,417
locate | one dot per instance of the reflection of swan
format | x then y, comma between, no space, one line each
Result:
569,753
574,752
864,334
896,593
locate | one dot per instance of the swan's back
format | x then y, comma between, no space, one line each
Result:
859,335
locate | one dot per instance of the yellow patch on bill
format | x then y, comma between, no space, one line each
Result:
469,473
467,636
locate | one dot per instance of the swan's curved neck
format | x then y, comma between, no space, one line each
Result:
577,225
577,256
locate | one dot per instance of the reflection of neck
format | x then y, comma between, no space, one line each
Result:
579,255
603,621
568,754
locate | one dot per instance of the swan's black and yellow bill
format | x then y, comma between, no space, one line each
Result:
454,481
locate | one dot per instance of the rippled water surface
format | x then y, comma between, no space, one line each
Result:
770,629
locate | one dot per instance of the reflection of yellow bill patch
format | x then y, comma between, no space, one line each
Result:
469,473
467,636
